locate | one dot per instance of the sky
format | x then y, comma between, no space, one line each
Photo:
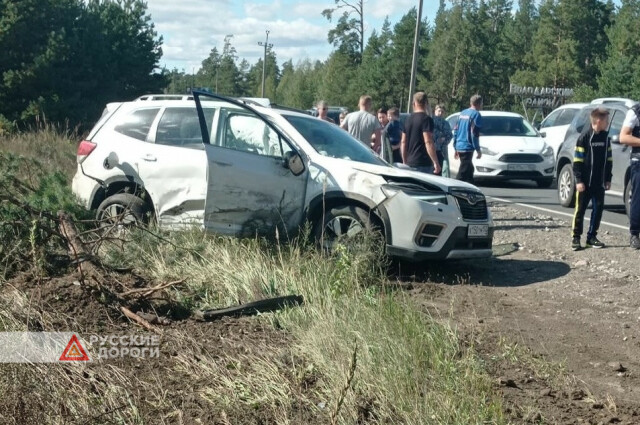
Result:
297,29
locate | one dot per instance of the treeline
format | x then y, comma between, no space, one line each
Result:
63,60
473,46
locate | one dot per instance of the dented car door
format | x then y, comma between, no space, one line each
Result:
249,189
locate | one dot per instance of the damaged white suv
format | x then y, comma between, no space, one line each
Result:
244,170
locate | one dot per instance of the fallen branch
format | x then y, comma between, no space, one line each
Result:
139,320
262,306
148,291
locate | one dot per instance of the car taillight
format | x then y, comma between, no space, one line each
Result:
84,149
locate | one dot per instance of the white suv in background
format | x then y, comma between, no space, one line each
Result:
240,169
554,127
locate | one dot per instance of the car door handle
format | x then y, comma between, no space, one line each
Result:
222,164
150,158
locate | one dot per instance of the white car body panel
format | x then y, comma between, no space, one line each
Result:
553,132
236,192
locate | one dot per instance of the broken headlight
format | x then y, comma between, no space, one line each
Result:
416,191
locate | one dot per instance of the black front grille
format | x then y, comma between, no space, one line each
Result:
522,158
477,211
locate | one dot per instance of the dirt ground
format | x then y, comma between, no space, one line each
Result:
558,330
538,300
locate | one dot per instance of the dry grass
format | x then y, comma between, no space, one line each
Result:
54,148
289,367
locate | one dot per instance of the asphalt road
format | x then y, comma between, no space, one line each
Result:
526,194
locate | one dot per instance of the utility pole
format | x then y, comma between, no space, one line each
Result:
264,62
414,62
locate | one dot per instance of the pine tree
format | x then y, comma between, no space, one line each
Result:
620,72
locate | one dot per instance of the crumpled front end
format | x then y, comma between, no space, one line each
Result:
429,223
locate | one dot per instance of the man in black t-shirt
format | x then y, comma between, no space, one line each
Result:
417,145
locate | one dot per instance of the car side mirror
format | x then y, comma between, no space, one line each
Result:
111,161
543,134
293,162
615,139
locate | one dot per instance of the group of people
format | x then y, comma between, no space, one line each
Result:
593,170
421,144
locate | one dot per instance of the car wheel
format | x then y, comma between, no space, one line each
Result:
544,183
627,198
567,186
121,210
342,225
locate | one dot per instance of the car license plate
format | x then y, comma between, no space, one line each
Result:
520,167
478,230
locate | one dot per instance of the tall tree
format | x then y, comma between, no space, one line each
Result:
454,54
620,72
348,34
41,41
518,46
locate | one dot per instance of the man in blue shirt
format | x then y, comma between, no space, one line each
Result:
467,138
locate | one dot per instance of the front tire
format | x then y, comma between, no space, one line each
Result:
340,225
567,186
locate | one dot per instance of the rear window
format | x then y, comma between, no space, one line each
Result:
137,123
181,127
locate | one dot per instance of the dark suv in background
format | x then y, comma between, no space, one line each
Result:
618,109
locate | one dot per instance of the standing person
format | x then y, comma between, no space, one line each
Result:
323,108
441,137
341,117
467,138
418,149
383,119
394,132
363,124
592,165
630,135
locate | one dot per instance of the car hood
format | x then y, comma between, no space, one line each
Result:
512,144
393,172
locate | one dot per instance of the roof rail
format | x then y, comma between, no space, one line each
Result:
165,97
621,100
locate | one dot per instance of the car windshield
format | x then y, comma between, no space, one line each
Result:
330,140
506,126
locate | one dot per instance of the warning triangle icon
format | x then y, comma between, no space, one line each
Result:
74,351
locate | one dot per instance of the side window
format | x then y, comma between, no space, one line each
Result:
550,121
616,123
566,117
249,133
581,120
181,127
137,123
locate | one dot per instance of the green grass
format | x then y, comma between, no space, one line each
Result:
53,148
408,368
